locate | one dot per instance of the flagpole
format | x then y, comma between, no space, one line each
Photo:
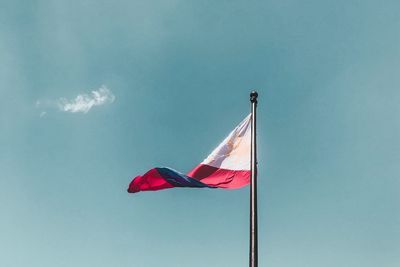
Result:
253,257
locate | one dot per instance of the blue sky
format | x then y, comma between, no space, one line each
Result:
177,76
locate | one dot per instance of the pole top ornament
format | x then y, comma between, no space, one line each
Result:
253,96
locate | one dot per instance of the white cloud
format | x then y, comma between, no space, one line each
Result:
81,103
84,102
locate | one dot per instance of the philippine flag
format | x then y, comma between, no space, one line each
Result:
228,166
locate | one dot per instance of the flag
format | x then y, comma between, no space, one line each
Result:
228,166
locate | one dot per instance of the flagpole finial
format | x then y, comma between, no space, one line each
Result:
253,96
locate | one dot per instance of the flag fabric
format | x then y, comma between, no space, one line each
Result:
228,166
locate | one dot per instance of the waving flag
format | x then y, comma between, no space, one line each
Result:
228,166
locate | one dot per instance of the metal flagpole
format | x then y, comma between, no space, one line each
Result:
253,185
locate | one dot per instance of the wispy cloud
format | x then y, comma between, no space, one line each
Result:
81,103
84,102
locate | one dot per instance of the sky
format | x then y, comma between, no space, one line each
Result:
94,93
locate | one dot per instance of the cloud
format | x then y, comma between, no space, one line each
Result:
81,103
84,102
